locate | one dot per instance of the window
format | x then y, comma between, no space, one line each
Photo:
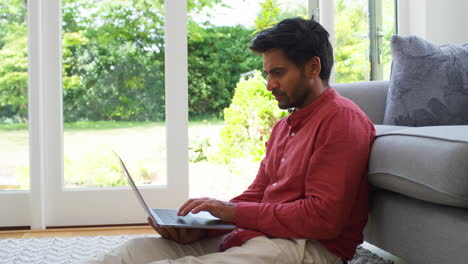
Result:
50,202
226,134
14,136
362,32
113,92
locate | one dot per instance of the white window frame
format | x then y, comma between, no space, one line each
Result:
327,19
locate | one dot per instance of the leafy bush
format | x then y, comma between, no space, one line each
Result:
248,121
14,76
217,57
198,149
98,168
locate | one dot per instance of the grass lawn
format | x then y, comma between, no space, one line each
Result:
87,147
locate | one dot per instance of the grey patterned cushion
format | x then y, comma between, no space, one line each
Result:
429,83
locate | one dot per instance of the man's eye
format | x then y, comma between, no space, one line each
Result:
275,73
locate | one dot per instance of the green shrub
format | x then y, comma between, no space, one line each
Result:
248,121
98,168
198,149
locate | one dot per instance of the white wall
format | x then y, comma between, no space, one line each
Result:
438,21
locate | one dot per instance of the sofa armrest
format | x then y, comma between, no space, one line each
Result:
370,96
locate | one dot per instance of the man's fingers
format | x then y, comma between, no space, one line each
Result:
184,206
183,235
223,210
152,224
203,207
173,233
180,235
190,204
160,230
150,221
188,235
167,233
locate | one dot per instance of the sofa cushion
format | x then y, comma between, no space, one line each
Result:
428,85
426,163
370,96
382,129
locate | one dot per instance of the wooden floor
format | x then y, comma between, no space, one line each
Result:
71,232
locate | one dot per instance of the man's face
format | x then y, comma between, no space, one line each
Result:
286,81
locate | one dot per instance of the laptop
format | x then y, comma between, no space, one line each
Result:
169,217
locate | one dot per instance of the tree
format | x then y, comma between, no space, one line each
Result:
351,51
13,61
217,58
268,16
12,14
113,61
272,12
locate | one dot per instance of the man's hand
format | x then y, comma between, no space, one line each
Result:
179,235
223,210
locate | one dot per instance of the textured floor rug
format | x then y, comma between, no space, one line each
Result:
70,250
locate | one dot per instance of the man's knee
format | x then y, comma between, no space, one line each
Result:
276,250
138,242
146,249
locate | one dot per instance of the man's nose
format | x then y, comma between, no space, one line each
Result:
271,84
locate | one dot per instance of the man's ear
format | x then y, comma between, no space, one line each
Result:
313,67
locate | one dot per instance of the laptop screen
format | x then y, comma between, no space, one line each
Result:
135,190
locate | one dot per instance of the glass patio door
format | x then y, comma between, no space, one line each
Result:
74,180
14,136
152,141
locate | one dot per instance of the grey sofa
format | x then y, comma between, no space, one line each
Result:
419,177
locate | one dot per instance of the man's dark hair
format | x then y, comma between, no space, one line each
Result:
300,40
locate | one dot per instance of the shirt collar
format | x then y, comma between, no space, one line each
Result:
300,114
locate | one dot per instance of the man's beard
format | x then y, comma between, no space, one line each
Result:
299,94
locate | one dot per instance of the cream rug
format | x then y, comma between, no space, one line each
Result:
59,250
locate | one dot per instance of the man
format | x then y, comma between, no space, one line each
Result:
309,200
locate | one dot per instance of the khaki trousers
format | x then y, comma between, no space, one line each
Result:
158,250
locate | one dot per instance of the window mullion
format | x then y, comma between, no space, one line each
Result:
45,105
176,83
327,19
375,35
314,9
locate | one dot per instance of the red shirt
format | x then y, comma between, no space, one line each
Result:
312,182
